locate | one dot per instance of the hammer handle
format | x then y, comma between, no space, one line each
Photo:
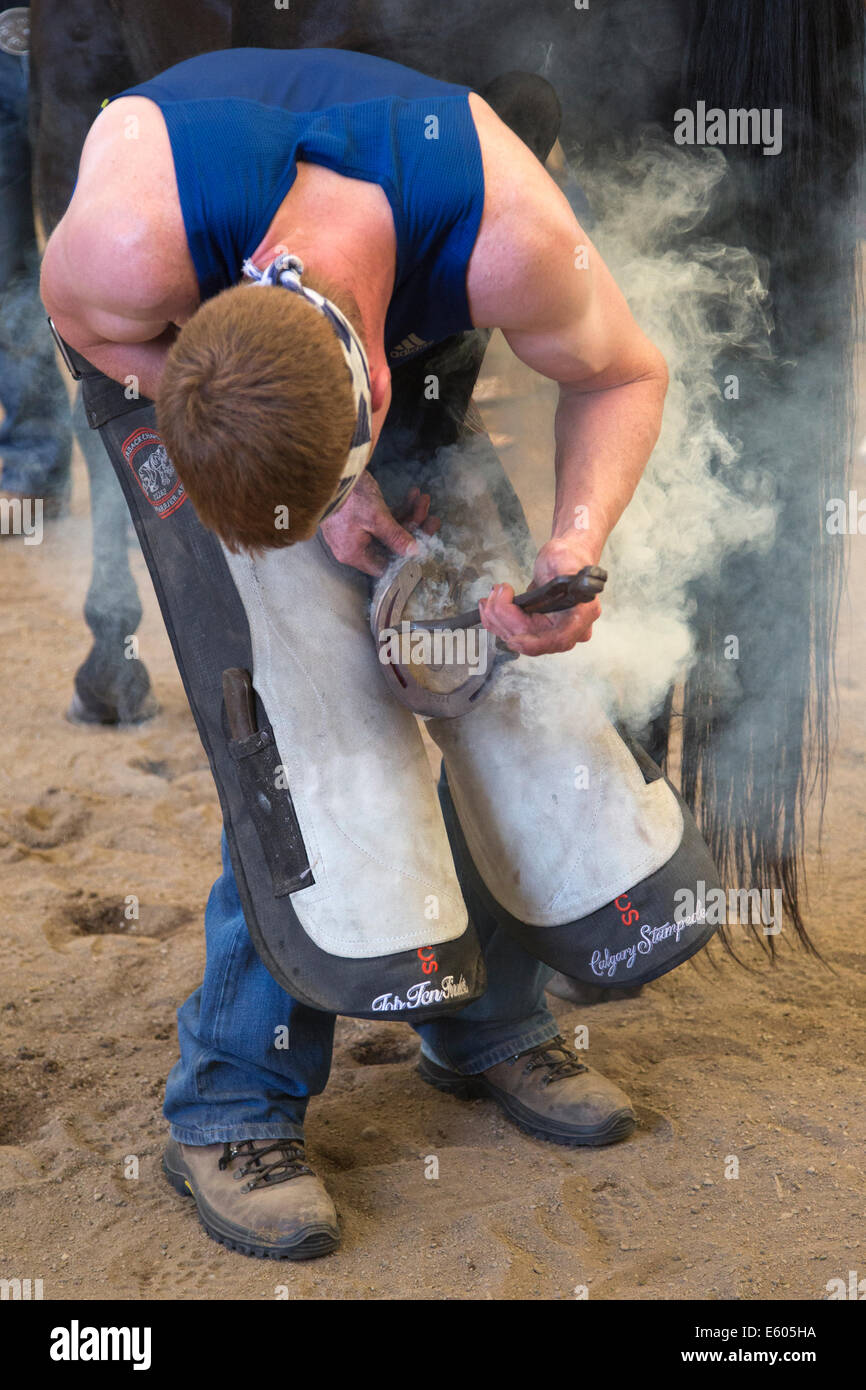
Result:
239,701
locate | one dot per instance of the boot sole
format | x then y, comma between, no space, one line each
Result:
319,1241
619,1126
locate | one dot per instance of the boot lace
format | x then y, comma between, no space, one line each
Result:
288,1163
567,1063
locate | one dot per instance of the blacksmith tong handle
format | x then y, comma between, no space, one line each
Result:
566,591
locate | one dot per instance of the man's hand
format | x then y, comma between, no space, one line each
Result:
366,535
544,632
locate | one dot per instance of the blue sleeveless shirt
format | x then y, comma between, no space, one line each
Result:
240,119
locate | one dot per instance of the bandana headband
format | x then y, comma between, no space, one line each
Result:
286,270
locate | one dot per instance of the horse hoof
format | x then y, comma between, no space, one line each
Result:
576,992
139,712
107,715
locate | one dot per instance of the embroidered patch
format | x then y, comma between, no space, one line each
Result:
420,995
650,937
154,472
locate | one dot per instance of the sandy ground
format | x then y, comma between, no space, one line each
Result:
767,1068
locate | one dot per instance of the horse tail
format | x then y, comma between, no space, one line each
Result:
750,766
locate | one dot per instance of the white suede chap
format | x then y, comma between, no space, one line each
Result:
354,761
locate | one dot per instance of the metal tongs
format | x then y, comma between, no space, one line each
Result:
566,591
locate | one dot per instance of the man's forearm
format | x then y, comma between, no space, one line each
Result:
603,442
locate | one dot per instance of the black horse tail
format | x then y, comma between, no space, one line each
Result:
750,766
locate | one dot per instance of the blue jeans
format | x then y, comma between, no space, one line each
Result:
36,433
251,1056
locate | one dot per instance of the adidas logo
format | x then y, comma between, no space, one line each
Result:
409,346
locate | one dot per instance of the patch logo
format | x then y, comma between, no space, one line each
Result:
409,346
427,957
650,937
154,472
420,995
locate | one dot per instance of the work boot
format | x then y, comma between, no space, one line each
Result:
548,1092
257,1196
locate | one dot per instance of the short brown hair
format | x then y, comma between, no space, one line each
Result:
256,410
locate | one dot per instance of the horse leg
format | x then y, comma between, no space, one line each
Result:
112,685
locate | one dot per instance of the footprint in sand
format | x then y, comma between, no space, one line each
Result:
169,769
55,819
88,914
384,1047
654,1123
22,1110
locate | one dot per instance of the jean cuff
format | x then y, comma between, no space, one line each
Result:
497,1052
233,1134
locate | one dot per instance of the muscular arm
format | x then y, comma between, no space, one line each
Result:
121,328
121,361
572,324
538,277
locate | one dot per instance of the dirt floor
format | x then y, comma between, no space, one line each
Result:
767,1068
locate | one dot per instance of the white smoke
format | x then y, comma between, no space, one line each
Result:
695,301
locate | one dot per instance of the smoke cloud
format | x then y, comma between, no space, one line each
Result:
698,301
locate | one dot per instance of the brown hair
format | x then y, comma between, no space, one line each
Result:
256,410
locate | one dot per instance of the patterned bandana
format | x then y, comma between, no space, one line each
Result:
286,270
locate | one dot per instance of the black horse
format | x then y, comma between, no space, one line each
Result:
620,68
